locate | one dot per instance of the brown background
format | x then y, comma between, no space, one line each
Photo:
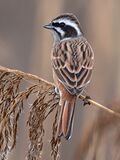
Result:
25,45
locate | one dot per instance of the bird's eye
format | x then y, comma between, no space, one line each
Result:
62,24
55,24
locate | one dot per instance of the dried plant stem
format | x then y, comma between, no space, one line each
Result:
27,76
100,106
34,78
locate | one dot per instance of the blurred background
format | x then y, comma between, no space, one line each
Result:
26,46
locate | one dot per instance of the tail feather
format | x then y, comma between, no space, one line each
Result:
66,118
60,121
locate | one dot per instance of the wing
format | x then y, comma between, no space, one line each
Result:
72,62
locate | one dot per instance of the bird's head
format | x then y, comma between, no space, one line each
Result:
65,26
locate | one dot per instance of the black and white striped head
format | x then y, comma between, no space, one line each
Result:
65,26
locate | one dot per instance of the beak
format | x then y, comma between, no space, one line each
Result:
48,26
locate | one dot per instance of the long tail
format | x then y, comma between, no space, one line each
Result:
65,124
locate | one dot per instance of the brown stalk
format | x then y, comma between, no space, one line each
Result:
30,77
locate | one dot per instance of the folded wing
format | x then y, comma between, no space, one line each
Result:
72,62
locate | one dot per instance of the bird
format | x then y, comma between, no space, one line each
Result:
72,60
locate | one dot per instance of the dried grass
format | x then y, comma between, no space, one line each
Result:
12,99
11,104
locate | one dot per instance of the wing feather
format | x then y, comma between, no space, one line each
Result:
72,61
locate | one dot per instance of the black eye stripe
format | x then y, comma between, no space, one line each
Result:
62,24
56,24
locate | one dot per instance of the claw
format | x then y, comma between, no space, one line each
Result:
86,102
52,91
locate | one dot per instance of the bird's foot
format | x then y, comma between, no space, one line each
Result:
55,92
86,101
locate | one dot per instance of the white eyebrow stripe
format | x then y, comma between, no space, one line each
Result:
70,23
